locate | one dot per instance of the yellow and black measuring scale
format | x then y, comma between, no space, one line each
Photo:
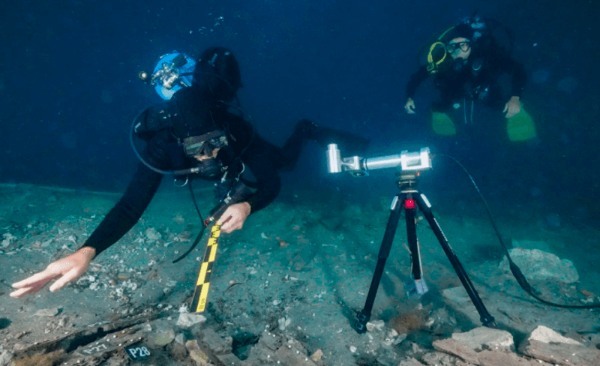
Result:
203,281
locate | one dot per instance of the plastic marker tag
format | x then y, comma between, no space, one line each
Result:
137,352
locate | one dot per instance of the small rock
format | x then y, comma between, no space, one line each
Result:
546,335
48,312
547,345
180,339
161,338
152,235
8,238
376,325
196,354
486,338
187,320
317,355
542,266
284,322
5,357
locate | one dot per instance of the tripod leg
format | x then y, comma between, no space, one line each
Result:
363,316
410,210
425,207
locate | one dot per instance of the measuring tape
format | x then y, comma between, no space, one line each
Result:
203,281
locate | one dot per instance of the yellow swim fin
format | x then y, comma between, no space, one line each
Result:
521,127
442,124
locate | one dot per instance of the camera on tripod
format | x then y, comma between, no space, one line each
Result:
413,162
407,201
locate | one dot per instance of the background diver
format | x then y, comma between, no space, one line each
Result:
466,64
195,134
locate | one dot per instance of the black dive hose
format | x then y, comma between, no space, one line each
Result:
174,173
516,271
152,167
199,236
217,210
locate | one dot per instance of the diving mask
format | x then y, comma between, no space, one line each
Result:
453,47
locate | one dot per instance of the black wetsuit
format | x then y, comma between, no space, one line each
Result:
180,117
477,79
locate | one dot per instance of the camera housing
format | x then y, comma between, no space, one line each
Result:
359,166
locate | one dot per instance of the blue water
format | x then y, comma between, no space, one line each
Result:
69,87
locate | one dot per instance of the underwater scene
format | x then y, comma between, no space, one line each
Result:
258,182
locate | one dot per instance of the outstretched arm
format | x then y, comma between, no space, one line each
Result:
117,222
126,213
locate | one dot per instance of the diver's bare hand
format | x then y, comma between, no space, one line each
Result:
512,107
66,269
234,217
409,107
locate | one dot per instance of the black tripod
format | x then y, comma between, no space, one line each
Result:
408,200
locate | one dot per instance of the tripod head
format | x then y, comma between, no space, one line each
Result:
410,163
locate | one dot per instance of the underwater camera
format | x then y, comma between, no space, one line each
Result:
359,166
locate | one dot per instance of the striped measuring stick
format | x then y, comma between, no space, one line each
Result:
203,281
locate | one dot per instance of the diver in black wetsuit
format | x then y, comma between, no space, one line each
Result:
195,134
466,63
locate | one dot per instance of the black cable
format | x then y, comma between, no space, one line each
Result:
187,172
199,236
150,166
516,271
